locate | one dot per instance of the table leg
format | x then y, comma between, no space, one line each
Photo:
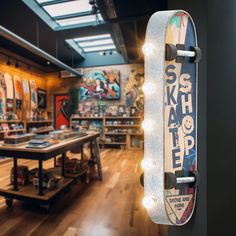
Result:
40,177
63,164
91,150
15,187
82,152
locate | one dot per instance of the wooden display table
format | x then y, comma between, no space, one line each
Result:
28,193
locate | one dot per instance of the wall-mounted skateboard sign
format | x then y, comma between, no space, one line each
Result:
170,121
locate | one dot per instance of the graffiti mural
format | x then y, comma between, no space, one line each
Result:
100,85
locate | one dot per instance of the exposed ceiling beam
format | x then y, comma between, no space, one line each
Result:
37,51
68,16
54,2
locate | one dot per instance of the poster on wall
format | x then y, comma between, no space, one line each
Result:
100,85
133,90
42,99
61,110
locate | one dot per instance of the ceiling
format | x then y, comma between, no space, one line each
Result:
124,20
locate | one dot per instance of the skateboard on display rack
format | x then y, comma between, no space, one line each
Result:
18,96
9,93
33,98
2,96
171,71
26,99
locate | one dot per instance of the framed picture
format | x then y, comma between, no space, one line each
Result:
121,110
113,110
42,99
100,85
61,110
133,111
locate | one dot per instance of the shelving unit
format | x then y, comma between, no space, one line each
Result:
29,124
120,131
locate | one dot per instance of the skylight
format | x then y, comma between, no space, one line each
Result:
95,43
67,8
79,20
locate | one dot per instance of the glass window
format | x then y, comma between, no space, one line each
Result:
67,8
79,20
94,37
101,48
96,43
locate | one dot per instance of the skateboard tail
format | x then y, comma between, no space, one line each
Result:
168,27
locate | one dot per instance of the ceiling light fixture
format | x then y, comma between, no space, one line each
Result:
17,65
9,61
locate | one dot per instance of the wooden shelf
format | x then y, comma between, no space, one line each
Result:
31,192
87,118
115,133
114,143
123,126
121,117
11,121
11,130
38,121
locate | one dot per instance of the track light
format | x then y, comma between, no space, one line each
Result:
111,53
17,64
9,61
104,53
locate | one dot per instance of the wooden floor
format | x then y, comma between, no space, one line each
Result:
109,208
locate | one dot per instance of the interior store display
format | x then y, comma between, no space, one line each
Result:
45,183
111,128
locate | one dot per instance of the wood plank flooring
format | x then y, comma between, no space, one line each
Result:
109,208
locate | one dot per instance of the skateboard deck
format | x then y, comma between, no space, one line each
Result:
26,99
9,92
172,147
18,95
2,94
33,97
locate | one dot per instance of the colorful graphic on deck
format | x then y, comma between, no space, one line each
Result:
2,94
100,85
26,99
18,95
34,98
180,119
9,92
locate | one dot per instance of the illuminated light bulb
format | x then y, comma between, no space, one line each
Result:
148,202
148,125
148,49
147,164
148,88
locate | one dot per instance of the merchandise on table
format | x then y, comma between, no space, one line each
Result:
22,176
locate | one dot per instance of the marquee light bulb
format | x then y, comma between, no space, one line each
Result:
147,164
148,88
148,202
148,125
148,49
